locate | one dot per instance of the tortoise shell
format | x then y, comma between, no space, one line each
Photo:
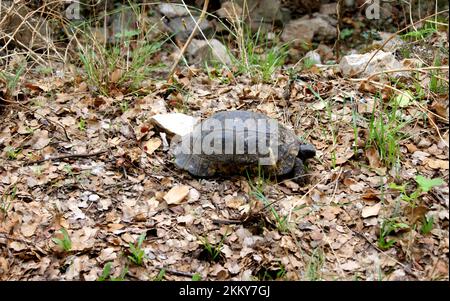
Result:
233,141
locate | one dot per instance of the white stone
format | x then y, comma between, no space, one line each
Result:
175,123
210,51
313,57
354,64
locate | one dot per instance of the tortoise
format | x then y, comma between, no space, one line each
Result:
231,142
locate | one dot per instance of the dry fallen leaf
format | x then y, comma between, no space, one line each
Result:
176,194
151,145
39,140
440,108
437,163
350,265
318,106
374,158
357,187
411,147
344,156
415,214
369,211
234,202
370,195
291,184
115,76
28,229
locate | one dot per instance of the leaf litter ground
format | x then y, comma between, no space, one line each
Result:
122,183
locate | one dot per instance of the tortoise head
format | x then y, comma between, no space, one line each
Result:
306,151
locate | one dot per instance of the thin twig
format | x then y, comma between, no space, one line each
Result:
85,155
178,273
226,222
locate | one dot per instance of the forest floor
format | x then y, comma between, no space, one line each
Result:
84,179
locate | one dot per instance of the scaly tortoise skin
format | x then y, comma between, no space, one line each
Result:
292,152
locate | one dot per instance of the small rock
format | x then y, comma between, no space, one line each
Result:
195,46
303,31
230,10
175,123
424,142
313,57
262,10
354,64
193,195
172,10
94,197
176,194
215,51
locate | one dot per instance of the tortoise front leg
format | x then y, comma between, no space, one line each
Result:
299,172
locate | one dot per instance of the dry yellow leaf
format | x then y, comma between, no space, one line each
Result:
151,145
176,194
369,211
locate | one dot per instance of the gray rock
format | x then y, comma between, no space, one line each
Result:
262,10
94,197
313,57
215,51
172,10
302,31
230,10
354,64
